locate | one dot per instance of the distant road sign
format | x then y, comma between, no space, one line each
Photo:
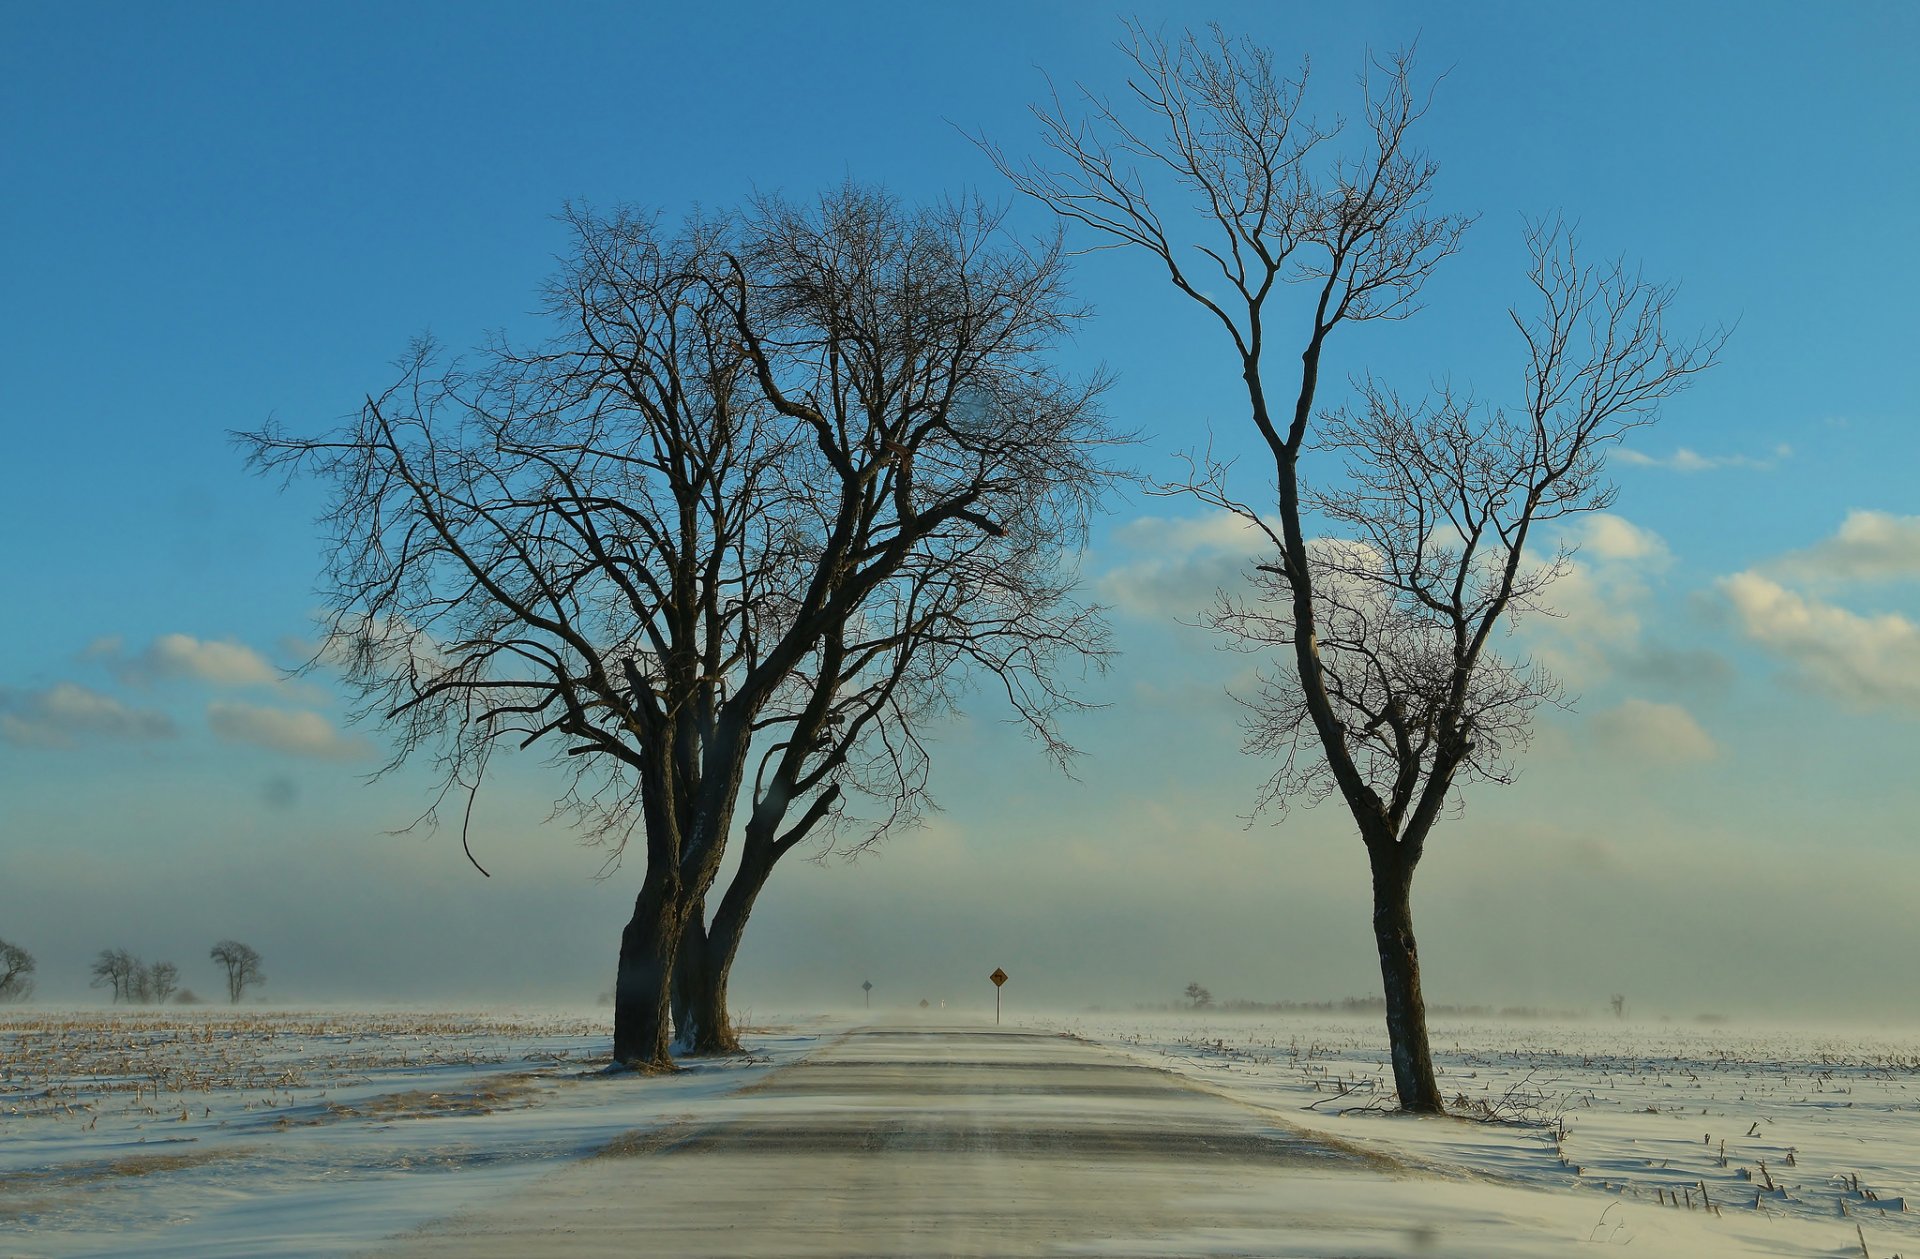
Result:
868,985
998,977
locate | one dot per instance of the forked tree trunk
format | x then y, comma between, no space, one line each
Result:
700,1023
1400,979
641,1005
700,996
700,985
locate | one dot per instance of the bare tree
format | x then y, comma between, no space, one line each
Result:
1198,996
16,972
118,971
778,486
1390,695
161,981
242,964
1618,1001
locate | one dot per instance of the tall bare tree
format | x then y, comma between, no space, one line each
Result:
242,964
16,972
1390,694
778,486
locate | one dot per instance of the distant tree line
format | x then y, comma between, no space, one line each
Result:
133,981
140,983
1199,998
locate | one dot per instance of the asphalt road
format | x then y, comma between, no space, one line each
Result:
954,1141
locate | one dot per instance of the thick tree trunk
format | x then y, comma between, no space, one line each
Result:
642,987
1400,978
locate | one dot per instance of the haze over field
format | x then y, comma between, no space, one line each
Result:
217,218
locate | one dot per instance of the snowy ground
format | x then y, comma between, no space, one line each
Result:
211,1133
1793,1125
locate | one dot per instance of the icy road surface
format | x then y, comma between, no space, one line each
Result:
910,1140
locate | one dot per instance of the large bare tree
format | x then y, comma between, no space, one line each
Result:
778,486
1388,573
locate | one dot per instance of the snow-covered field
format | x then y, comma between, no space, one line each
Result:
1716,1120
213,1133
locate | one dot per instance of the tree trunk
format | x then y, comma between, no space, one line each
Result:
1400,978
700,1023
686,963
709,1028
642,988
700,995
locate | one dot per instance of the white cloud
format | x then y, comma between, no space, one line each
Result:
1870,546
1610,537
66,712
292,731
1596,604
1685,460
1664,734
1865,661
225,663
1177,565
1174,565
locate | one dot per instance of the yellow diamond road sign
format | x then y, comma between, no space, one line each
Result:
998,977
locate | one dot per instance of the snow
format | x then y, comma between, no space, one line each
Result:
1764,1141
215,1133
319,1133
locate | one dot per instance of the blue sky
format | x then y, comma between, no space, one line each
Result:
218,214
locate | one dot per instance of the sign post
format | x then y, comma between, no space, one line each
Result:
868,986
999,977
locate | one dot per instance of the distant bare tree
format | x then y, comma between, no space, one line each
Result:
242,965
1390,695
118,971
779,486
1619,1003
161,980
16,972
1198,997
